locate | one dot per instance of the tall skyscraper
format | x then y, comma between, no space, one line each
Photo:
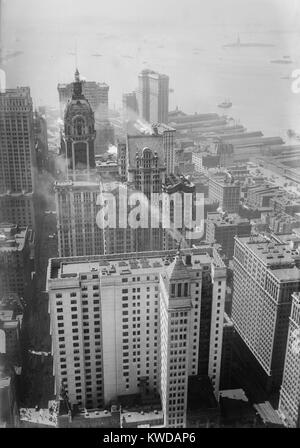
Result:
41,140
79,132
153,96
76,196
289,403
159,137
221,228
130,325
143,162
224,189
17,157
130,106
77,230
16,260
146,163
97,96
270,268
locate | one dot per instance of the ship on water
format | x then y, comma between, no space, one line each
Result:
225,104
5,56
239,44
284,60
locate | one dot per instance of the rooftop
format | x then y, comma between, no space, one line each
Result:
12,237
224,179
11,312
268,413
142,416
287,200
226,220
90,184
276,254
234,394
174,182
128,264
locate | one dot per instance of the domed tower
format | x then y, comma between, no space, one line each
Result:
79,130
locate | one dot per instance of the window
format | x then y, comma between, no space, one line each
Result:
179,290
186,289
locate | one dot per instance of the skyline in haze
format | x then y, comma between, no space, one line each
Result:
161,37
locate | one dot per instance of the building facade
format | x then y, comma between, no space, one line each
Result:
77,229
221,228
130,106
226,191
269,267
16,260
9,412
41,140
97,96
76,196
159,137
79,132
130,325
289,403
11,318
17,157
153,97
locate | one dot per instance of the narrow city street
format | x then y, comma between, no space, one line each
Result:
37,386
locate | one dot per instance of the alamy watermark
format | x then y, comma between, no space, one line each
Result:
2,81
133,209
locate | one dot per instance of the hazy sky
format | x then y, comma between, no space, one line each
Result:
129,35
193,12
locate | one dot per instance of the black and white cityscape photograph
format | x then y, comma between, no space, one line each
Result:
149,216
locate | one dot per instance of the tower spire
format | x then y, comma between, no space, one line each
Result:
178,253
77,86
77,75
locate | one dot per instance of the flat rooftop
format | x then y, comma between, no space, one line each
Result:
12,237
224,180
128,264
234,394
227,220
278,255
268,413
77,184
142,416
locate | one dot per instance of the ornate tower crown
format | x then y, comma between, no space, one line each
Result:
79,130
